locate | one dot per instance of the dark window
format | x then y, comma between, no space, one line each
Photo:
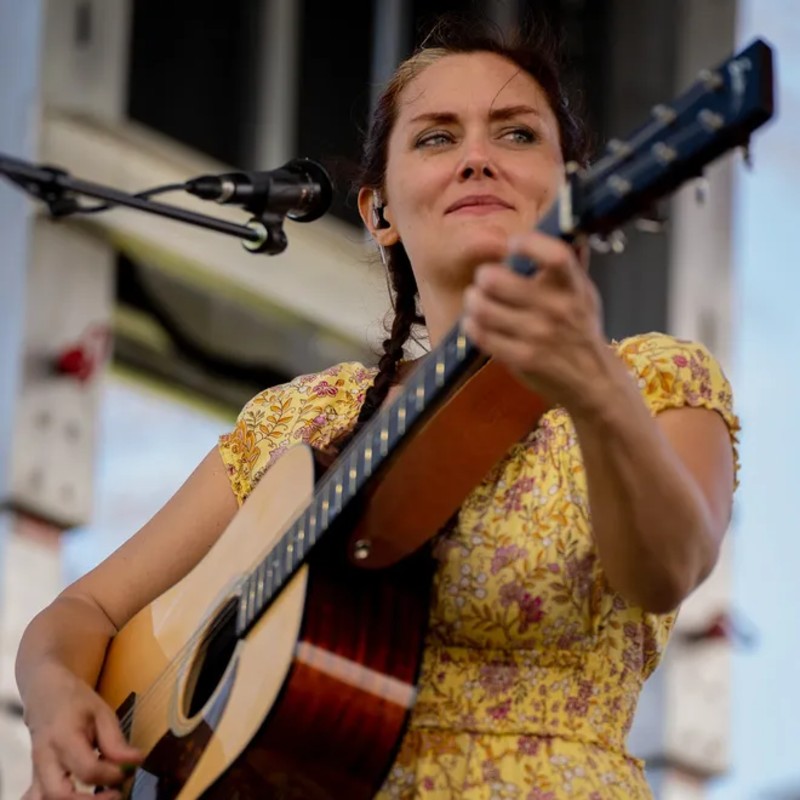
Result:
191,73
333,93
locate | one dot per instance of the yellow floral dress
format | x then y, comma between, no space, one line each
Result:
533,665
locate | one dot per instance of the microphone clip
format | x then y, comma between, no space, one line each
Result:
269,227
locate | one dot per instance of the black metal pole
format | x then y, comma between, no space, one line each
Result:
53,186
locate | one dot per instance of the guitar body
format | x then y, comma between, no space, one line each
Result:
311,703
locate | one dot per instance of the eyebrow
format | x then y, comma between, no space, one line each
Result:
449,117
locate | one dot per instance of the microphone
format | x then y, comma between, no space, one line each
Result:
301,190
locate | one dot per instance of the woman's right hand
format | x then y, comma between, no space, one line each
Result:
69,723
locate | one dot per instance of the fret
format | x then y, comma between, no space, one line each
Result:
312,526
353,476
440,371
325,506
401,417
337,503
276,571
461,346
289,561
260,585
367,460
384,439
419,396
270,575
251,599
241,617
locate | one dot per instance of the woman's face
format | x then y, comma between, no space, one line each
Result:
474,157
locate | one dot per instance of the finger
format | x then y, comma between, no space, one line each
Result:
80,758
490,314
82,761
515,353
552,256
51,776
529,295
583,252
112,742
501,284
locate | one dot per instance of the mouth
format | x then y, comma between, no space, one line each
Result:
480,204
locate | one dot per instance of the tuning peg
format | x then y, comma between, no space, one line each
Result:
664,113
652,222
618,148
613,243
599,244
711,79
618,242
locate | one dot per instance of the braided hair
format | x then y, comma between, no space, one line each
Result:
536,51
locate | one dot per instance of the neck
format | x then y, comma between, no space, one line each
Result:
442,308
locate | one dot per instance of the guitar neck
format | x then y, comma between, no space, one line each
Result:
437,375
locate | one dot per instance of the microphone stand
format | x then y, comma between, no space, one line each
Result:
57,189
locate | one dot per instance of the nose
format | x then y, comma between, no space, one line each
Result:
477,163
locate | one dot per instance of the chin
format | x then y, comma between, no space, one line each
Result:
484,245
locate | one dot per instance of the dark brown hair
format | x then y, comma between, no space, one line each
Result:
535,50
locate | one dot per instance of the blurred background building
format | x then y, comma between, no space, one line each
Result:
175,328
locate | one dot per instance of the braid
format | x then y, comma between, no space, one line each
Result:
404,302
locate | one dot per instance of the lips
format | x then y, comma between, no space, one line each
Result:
476,201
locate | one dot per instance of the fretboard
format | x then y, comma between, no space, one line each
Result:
427,386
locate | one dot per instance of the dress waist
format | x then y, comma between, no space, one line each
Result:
580,697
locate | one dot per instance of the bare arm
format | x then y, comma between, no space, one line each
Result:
73,632
660,493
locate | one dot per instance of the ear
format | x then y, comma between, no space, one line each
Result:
377,217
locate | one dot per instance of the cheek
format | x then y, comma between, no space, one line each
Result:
542,185
413,194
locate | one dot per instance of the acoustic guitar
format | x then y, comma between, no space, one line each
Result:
284,664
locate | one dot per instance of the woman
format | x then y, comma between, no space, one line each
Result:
556,584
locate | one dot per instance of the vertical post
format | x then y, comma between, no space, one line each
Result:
390,43
56,56
277,81
21,30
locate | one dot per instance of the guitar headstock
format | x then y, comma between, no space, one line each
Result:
717,114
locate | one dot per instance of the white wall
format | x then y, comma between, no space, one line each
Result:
766,376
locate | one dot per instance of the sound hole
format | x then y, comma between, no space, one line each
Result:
212,658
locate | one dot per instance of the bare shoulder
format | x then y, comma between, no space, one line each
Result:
166,548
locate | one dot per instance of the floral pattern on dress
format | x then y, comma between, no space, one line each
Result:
533,665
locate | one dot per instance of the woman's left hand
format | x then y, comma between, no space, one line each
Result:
546,328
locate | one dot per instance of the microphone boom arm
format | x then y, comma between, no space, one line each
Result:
57,189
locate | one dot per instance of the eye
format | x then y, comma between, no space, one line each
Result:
434,139
520,135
